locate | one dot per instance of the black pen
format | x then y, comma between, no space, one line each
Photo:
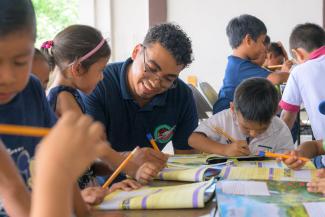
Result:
248,140
264,146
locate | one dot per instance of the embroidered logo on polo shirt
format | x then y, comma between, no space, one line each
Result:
164,133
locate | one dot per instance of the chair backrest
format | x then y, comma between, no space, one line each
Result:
209,92
202,106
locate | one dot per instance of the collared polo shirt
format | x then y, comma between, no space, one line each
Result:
276,138
170,116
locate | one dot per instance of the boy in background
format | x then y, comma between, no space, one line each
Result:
306,83
246,35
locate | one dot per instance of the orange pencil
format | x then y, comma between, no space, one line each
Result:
23,130
276,155
119,169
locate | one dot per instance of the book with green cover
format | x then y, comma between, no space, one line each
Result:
193,195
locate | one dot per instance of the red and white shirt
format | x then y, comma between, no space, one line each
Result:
306,85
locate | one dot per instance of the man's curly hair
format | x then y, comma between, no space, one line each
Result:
172,38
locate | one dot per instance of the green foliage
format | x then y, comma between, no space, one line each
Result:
52,16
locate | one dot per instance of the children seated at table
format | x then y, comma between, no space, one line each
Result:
251,121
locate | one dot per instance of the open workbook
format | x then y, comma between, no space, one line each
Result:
268,199
195,169
193,195
191,174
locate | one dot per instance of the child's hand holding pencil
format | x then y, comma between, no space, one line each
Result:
157,158
237,148
293,160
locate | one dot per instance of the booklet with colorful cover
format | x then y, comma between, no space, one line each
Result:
193,195
242,198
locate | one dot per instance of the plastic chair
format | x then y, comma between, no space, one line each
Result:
202,106
209,92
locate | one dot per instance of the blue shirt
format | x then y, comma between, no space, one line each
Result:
29,107
54,92
237,70
52,97
127,123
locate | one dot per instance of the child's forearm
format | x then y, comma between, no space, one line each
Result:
79,205
278,77
311,149
114,159
52,194
16,200
14,193
205,144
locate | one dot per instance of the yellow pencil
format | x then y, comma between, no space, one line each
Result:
119,169
23,130
274,67
222,133
152,142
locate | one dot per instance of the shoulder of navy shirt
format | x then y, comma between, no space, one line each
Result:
127,123
52,96
29,107
237,70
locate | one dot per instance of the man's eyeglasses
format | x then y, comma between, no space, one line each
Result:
168,83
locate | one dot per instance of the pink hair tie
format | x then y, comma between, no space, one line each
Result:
90,53
47,44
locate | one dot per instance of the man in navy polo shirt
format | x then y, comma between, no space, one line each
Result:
144,95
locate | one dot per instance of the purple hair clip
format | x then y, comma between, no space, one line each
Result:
47,44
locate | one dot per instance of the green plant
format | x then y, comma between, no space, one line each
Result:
52,16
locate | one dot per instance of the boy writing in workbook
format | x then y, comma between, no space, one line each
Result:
246,35
250,121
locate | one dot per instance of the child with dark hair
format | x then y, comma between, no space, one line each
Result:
144,95
78,55
246,35
22,101
251,121
275,55
306,82
277,58
41,68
